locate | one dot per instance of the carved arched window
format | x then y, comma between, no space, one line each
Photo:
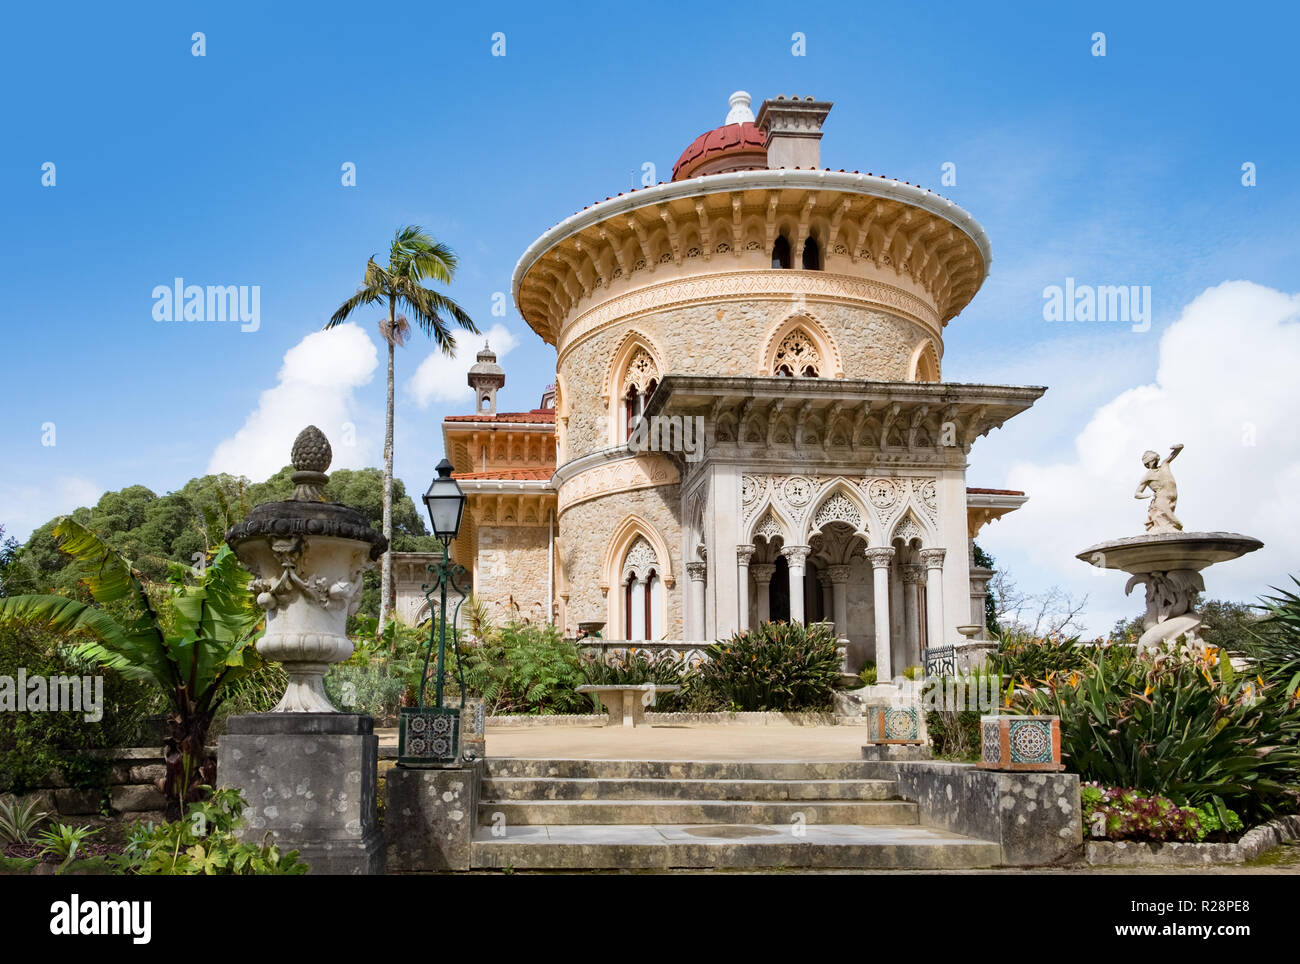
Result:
797,356
640,380
781,253
642,593
812,255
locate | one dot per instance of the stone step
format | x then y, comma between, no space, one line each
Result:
662,847
610,812
686,770
617,788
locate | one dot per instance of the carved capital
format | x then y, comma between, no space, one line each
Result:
763,570
838,574
796,555
744,554
879,556
913,575
697,570
933,558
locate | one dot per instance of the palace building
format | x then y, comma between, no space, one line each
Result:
749,420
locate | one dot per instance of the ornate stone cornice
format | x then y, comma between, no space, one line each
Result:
857,217
609,474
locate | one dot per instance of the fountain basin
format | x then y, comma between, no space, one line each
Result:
1169,565
1169,551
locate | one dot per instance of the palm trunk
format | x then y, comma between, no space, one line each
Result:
386,571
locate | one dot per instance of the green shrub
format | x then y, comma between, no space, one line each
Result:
204,842
778,666
1114,813
373,688
32,745
1176,722
524,668
954,734
18,821
1274,643
868,675
62,841
1029,659
635,667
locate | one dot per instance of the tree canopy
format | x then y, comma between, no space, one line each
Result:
155,530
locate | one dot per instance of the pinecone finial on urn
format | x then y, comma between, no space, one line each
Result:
311,456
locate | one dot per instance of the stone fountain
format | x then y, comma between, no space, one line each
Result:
309,773
1167,560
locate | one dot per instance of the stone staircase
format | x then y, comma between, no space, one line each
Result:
648,814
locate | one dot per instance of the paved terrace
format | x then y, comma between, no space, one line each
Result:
675,742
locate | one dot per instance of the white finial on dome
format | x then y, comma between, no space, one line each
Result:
740,112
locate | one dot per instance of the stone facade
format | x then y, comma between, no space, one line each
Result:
730,338
513,571
588,588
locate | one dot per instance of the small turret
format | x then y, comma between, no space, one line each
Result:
485,377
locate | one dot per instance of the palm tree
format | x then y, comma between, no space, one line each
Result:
413,257
194,650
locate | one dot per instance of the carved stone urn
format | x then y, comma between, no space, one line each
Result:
307,557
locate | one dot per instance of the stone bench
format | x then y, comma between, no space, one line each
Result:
626,703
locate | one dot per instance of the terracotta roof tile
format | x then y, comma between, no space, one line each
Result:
542,474
537,416
970,491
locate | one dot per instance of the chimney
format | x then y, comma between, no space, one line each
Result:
794,130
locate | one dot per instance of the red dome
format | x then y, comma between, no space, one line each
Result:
744,143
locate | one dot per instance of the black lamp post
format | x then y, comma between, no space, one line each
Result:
430,736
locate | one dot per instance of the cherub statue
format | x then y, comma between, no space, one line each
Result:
1164,491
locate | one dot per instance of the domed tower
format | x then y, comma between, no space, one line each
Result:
485,377
750,421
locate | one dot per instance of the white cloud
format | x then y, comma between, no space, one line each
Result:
441,378
1226,385
315,386
24,507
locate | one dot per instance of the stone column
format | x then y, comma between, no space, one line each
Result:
695,625
824,580
839,576
743,555
933,562
795,556
913,577
880,557
763,572
979,586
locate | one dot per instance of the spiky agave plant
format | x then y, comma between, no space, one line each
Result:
194,650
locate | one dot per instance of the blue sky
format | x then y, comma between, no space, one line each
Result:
225,169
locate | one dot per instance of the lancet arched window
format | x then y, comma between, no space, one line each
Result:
640,380
797,356
642,593
781,253
812,255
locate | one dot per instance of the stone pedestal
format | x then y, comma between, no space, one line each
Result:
430,817
310,779
1020,743
896,723
1033,817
